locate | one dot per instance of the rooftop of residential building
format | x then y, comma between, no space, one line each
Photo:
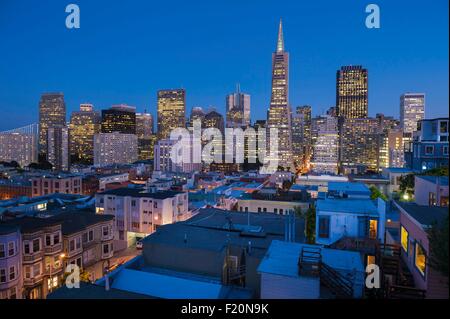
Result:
347,205
221,228
6,229
30,224
76,221
174,285
398,170
282,259
133,192
425,215
442,180
93,291
348,188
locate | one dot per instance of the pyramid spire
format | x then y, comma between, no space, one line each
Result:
280,42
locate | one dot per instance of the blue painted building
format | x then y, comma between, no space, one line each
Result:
429,148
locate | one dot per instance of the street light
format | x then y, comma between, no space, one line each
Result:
61,258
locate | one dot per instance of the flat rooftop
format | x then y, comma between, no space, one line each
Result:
347,205
282,259
348,187
213,229
425,215
174,287
136,192
442,180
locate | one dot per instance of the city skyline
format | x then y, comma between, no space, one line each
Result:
312,75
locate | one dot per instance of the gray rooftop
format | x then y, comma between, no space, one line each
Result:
347,205
133,192
211,229
443,180
425,215
93,291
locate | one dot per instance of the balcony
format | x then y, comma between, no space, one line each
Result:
32,257
107,255
30,282
51,250
110,236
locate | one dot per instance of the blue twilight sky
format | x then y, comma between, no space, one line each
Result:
126,50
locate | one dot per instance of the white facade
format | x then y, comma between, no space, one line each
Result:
115,148
181,163
108,179
355,218
139,214
270,206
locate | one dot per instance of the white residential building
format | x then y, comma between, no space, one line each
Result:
139,213
355,218
115,148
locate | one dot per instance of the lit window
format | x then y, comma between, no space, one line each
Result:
420,259
404,238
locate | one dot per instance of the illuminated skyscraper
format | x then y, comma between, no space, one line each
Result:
196,114
119,118
363,143
84,124
115,148
52,112
214,119
144,125
352,92
19,145
146,138
325,141
279,115
412,110
58,147
301,135
171,111
238,109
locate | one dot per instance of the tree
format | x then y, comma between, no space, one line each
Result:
85,276
286,185
310,223
407,185
44,165
438,238
375,193
440,171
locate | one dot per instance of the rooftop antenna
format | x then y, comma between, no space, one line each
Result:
238,88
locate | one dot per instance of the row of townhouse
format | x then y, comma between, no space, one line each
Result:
138,213
34,252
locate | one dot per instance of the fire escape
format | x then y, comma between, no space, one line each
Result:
311,264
